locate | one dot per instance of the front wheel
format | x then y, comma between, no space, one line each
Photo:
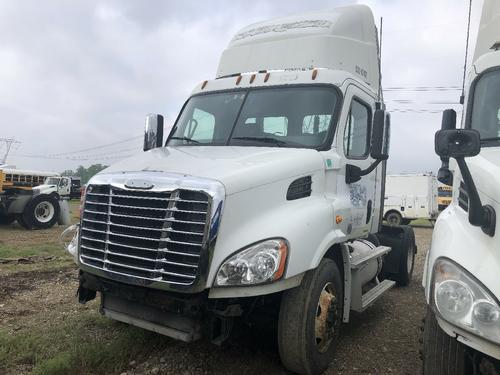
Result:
41,212
309,320
394,218
442,354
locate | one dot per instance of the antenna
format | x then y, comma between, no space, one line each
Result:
380,92
8,142
462,97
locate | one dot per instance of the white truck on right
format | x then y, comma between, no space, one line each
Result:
462,271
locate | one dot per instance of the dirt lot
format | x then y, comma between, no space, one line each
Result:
43,329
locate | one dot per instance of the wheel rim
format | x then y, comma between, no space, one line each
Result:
324,327
393,219
44,212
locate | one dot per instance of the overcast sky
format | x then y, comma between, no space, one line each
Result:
80,74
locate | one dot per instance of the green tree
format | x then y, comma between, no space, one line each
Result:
85,173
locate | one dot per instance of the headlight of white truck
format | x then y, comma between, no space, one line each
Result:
461,300
256,264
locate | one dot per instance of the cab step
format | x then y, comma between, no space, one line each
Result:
375,293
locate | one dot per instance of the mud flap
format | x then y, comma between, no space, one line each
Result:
396,237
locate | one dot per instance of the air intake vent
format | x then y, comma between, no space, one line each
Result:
463,197
300,188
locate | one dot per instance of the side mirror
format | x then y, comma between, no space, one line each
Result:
153,131
457,143
448,122
381,135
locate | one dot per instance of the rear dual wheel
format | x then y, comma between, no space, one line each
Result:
309,320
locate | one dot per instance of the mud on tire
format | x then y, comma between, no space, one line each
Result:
309,320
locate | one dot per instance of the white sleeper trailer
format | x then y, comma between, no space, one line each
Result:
409,197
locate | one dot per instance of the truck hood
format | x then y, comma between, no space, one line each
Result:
45,187
237,168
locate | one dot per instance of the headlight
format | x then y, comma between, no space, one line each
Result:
259,263
461,300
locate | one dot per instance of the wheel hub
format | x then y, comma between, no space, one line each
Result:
44,212
325,318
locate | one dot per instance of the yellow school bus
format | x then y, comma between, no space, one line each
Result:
444,196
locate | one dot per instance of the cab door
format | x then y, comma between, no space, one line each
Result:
354,140
64,187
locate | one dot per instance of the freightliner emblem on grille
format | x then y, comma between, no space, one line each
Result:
139,184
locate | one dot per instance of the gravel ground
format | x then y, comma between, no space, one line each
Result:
382,340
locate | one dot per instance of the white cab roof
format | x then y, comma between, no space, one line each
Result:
489,29
341,39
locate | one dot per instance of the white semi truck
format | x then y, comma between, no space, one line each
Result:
462,274
33,198
267,196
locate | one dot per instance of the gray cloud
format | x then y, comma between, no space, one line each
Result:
74,75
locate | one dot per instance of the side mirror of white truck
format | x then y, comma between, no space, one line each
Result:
448,122
457,143
460,144
381,135
153,131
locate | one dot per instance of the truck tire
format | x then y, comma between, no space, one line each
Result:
6,219
407,259
394,218
41,212
21,222
309,320
442,354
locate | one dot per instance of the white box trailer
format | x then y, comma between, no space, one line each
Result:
409,197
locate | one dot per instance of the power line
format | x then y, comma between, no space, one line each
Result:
80,157
423,88
412,101
98,147
8,143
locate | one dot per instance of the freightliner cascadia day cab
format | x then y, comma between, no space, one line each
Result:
462,273
267,196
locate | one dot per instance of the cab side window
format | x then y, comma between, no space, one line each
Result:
357,131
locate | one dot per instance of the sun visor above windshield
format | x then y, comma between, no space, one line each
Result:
341,39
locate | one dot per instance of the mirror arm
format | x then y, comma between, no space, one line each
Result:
354,173
479,215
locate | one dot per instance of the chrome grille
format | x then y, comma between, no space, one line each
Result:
146,234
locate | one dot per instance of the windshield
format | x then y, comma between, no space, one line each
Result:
275,117
486,108
52,181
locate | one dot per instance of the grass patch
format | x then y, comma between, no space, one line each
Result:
84,344
20,251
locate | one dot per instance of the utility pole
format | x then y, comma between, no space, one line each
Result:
8,143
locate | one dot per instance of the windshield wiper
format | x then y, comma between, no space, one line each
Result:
185,139
263,139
